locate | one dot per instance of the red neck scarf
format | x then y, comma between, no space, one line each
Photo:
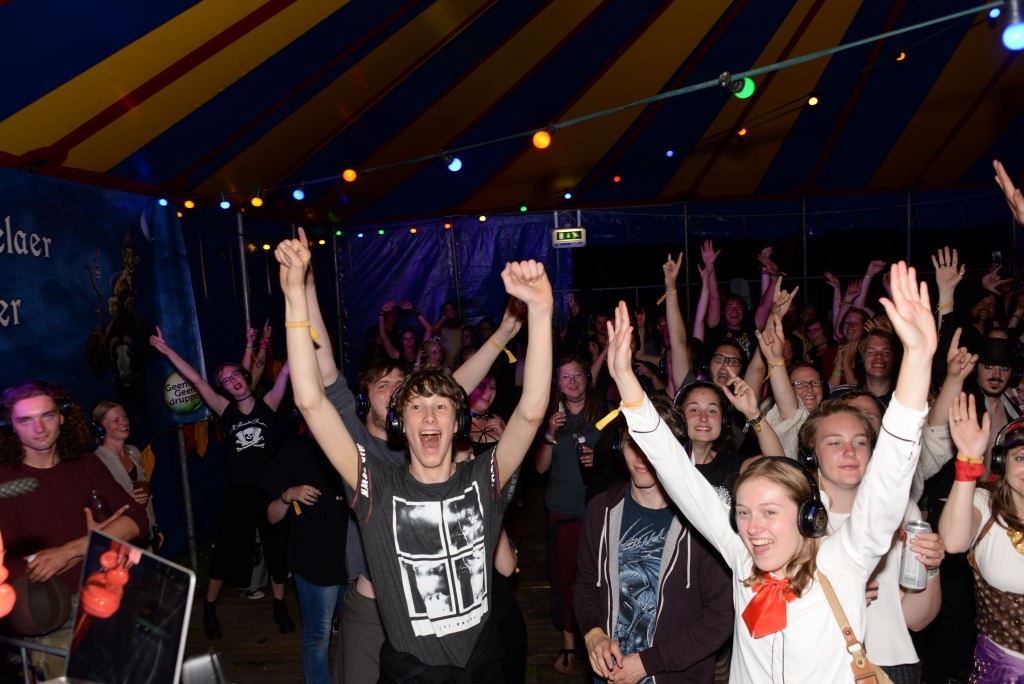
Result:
766,613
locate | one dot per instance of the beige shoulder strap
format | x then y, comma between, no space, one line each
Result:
861,666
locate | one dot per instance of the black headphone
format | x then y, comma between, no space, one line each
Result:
101,431
362,405
811,516
1000,451
394,425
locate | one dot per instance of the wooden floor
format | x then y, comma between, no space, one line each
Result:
252,650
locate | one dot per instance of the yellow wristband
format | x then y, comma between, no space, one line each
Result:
510,355
664,296
303,324
612,415
969,459
591,634
631,404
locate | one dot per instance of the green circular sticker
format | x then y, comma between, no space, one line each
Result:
180,396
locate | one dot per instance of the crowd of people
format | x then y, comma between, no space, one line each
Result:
762,494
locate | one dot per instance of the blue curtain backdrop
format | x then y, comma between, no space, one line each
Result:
87,273
435,265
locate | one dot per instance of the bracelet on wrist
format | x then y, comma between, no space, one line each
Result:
591,634
933,572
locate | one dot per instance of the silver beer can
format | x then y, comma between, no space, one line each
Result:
913,573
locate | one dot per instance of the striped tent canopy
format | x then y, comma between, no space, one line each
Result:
235,98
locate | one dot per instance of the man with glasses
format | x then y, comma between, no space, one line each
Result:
248,425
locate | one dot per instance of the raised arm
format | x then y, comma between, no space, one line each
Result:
215,401
1010,191
743,399
307,383
324,349
875,266
770,277
276,394
694,495
250,348
700,315
960,517
676,326
714,312
527,281
911,317
259,364
474,370
771,341
948,274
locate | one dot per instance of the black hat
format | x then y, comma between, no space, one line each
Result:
997,351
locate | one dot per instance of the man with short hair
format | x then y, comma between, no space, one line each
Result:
879,351
429,526
651,597
997,361
46,532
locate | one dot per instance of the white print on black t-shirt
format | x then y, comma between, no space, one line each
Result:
442,559
249,434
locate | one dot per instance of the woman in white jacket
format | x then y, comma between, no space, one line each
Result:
785,629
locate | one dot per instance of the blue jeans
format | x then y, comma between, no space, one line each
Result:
317,605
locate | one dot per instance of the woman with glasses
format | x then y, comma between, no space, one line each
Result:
575,409
248,425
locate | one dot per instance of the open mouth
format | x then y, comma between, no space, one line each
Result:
430,439
761,546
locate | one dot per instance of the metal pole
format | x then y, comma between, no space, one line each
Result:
186,491
339,352
453,250
909,222
686,256
803,228
244,272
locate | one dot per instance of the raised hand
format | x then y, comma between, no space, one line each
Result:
250,336
671,270
852,291
960,361
708,254
831,280
620,352
782,299
1012,193
991,280
158,342
742,397
511,320
909,310
767,265
771,339
948,269
970,436
527,282
875,266
294,258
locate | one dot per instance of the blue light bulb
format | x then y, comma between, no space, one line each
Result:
994,13
670,153
224,204
455,165
162,202
299,194
1013,36
567,195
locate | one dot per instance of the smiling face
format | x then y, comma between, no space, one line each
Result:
572,381
36,421
702,410
816,333
809,394
380,393
843,447
733,313
429,423
1015,476
481,398
766,520
878,357
853,326
116,423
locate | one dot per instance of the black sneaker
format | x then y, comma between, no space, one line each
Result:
211,625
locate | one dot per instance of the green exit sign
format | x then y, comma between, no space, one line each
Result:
569,237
